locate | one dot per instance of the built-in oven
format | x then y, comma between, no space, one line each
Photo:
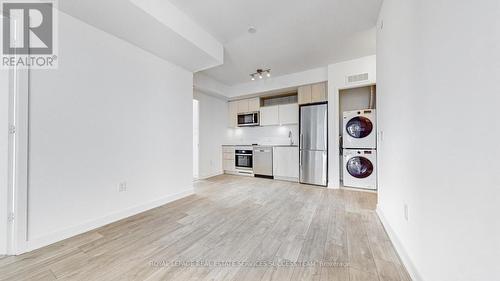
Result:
243,158
248,119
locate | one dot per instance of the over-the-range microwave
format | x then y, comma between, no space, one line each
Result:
248,119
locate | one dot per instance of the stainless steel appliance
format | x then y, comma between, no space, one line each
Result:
314,144
248,119
243,160
263,161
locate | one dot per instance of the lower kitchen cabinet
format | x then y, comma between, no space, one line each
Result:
229,166
228,159
286,163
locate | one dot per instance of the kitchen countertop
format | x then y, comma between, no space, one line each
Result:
273,145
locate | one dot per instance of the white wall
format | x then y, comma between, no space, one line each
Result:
438,72
213,127
271,135
111,113
206,84
337,74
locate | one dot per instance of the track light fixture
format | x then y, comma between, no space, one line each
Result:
259,73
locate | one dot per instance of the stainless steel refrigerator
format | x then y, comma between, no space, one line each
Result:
314,144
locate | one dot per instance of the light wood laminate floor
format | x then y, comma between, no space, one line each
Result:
230,224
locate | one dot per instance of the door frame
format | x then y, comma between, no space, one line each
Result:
18,161
196,150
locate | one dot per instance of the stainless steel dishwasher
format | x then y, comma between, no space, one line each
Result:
263,161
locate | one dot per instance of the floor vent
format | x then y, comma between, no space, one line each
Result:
357,78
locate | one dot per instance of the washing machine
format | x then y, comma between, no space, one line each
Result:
359,129
360,168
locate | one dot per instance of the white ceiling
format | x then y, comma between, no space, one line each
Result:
157,27
291,35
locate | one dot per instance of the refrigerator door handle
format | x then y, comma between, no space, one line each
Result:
301,140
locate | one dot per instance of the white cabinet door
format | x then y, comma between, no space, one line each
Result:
229,166
269,115
286,163
289,114
233,114
228,158
253,104
242,106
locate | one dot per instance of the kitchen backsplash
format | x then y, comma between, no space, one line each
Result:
263,135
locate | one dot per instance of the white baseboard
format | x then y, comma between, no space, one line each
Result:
333,186
359,189
291,179
57,236
400,249
218,173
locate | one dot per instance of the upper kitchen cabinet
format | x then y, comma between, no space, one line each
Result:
242,106
318,92
269,115
288,114
283,114
253,105
312,93
248,105
233,114
304,94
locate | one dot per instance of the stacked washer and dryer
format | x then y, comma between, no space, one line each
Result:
359,142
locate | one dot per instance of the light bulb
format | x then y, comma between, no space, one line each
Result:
260,76
268,74
253,78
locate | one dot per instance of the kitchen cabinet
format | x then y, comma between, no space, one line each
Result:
233,114
269,115
312,93
283,114
248,105
254,105
228,159
242,106
304,94
288,114
286,163
318,92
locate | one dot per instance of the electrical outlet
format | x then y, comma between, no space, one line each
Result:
406,211
122,187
